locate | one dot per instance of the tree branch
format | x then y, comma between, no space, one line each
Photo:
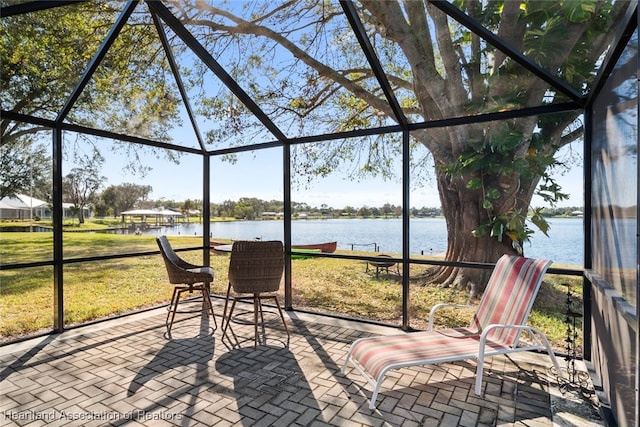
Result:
250,28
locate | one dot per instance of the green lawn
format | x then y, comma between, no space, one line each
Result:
100,289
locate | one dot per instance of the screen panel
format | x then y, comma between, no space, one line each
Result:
614,245
615,161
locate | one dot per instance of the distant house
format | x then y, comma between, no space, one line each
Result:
23,207
68,211
272,214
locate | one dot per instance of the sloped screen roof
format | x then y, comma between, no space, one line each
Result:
233,74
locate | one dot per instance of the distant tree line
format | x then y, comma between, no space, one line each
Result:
120,198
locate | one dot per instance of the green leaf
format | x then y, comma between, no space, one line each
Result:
474,184
493,194
481,231
498,231
579,10
540,221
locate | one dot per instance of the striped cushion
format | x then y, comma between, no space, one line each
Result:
378,354
509,296
507,300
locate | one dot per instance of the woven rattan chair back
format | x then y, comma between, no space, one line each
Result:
177,268
187,277
256,266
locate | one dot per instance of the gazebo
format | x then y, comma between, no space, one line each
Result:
160,216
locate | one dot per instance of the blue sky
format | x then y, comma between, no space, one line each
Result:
261,177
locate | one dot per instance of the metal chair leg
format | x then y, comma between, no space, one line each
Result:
258,313
175,301
281,316
256,307
206,299
224,313
173,307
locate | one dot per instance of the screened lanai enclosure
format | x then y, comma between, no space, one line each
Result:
477,106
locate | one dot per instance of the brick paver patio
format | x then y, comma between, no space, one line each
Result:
126,372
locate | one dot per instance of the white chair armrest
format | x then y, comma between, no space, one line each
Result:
534,333
436,307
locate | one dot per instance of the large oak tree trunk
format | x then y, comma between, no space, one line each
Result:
463,212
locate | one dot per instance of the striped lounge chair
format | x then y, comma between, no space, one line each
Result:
495,329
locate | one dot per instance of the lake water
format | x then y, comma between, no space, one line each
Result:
428,235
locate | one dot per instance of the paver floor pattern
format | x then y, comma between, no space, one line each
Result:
129,373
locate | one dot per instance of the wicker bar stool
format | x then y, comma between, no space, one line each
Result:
187,278
255,269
